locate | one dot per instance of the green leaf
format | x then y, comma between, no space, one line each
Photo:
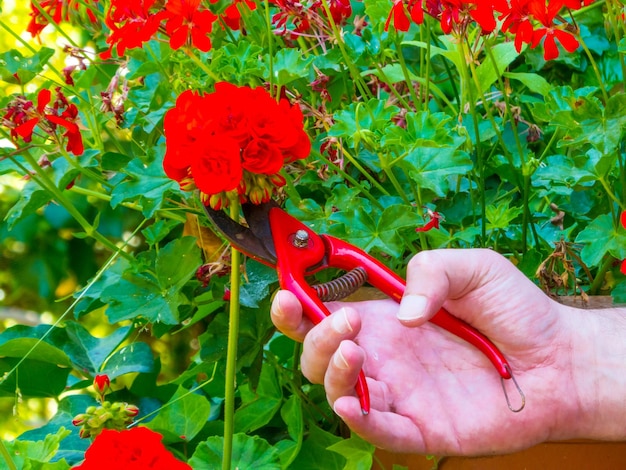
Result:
32,198
260,405
535,82
29,455
146,184
182,417
31,377
423,129
34,349
72,448
601,237
259,279
290,65
113,161
357,452
431,167
248,452
500,216
488,73
292,415
314,454
88,352
363,122
17,69
155,297
136,357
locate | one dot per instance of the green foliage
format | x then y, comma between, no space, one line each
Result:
506,150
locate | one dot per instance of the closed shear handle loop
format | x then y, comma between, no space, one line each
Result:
345,256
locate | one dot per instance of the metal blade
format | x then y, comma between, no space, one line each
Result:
254,241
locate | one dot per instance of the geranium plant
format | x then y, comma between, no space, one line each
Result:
133,332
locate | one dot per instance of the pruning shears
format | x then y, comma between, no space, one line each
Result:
275,238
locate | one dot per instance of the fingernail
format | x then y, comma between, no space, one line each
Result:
339,322
339,360
277,309
412,307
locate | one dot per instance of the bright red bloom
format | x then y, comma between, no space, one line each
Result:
57,10
131,449
545,14
187,23
22,118
340,10
235,139
398,15
131,23
232,13
435,217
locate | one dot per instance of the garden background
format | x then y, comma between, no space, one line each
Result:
454,123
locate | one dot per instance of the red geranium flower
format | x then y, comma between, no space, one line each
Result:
232,13
131,449
545,14
187,23
57,10
22,117
232,141
131,23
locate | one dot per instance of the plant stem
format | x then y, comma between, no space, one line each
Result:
599,279
166,214
270,45
352,180
231,356
405,71
595,68
7,457
356,76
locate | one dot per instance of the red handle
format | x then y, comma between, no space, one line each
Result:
293,260
345,256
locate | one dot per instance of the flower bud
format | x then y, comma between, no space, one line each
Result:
131,410
80,419
102,384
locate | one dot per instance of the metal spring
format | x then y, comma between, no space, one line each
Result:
341,287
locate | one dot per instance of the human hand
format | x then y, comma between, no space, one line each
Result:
430,391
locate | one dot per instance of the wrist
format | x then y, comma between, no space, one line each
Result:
595,404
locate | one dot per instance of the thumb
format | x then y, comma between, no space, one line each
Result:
427,287
435,276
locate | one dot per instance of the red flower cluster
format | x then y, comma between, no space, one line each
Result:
57,10
131,449
22,117
234,140
530,21
133,22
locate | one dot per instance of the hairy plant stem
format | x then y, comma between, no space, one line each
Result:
426,93
231,355
595,68
598,280
352,180
270,46
356,76
467,97
164,213
405,71
7,457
